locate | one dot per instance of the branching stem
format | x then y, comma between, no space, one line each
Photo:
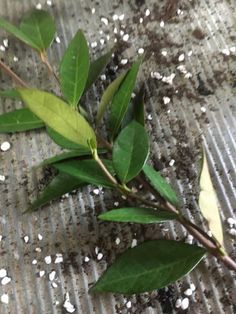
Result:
13,75
44,58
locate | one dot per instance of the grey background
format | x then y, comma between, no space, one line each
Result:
70,226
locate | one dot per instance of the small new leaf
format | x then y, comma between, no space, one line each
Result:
161,185
130,151
59,186
121,99
87,170
37,29
137,215
208,202
149,266
19,120
108,96
58,115
74,69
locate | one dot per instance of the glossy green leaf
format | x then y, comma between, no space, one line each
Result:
138,106
121,99
59,186
66,155
19,120
58,115
74,69
10,93
96,68
130,151
149,266
37,29
161,185
137,215
208,202
87,171
61,140
108,96
80,152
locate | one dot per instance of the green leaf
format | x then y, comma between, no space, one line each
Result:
37,29
10,93
137,215
59,186
19,120
149,266
138,106
108,96
61,140
58,115
16,31
83,151
74,69
161,185
121,99
66,155
130,151
87,171
96,68
208,202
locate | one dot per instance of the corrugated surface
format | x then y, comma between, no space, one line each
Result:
70,226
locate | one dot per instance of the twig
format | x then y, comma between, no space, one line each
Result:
13,75
44,58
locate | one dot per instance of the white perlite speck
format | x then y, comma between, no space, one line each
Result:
70,308
117,241
2,48
5,298
126,37
93,10
3,273
181,57
166,100
203,109
232,232
104,20
5,42
99,256
38,6
178,303
59,258
5,280
149,117
86,259
134,243
164,53
58,40
192,287
49,3
172,162
185,304
115,17
54,285
34,262
40,237
124,61
94,44
26,239
41,273
128,304
231,221
140,51
162,24
147,12
5,146
52,275
121,17
168,79
2,178
48,259
188,292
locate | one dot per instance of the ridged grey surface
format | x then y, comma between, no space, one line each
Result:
70,226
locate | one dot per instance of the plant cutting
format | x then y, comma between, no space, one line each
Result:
117,161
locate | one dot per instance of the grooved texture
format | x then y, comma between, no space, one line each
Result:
70,226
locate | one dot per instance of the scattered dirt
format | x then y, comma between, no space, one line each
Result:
198,33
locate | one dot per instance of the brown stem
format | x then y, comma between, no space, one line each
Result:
44,59
13,75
